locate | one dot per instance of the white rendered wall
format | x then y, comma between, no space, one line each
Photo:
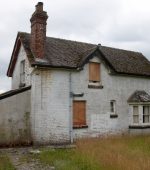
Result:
50,103
50,109
15,119
117,88
16,74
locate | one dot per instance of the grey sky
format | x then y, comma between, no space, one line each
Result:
118,23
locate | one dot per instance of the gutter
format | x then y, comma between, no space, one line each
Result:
52,66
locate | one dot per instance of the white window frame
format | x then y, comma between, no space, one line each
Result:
135,115
146,115
140,114
113,107
22,72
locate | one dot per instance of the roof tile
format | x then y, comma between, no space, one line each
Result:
67,53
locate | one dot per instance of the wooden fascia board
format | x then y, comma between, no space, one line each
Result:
14,57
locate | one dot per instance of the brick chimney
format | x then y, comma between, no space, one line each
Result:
38,31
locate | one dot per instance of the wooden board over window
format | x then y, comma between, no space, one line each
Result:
94,72
79,113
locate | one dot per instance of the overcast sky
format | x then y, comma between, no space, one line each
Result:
117,23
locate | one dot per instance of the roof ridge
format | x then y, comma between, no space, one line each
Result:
122,49
64,39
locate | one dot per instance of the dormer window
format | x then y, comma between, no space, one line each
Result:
94,72
22,73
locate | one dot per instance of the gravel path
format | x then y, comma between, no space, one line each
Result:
15,156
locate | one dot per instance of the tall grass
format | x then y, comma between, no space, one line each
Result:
118,153
113,153
5,163
64,159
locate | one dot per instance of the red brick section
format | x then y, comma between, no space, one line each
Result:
38,31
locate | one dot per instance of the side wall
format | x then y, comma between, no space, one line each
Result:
117,88
15,120
50,108
16,74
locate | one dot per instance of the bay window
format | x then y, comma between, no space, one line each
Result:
135,114
146,114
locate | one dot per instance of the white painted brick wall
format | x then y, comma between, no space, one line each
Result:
50,103
16,73
50,109
117,88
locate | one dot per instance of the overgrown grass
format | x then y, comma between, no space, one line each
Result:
67,159
5,163
115,153
119,153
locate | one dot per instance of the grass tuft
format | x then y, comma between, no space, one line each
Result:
5,163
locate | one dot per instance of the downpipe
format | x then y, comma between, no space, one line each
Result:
70,108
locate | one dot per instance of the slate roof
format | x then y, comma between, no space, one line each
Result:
70,54
139,96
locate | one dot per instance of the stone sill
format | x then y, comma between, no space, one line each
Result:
113,116
22,85
80,127
139,126
94,86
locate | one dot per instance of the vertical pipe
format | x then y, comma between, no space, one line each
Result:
70,108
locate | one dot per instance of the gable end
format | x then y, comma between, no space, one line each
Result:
19,41
14,57
98,53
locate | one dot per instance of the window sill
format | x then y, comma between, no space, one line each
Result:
80,127
139,126
113,116
22,85
95,86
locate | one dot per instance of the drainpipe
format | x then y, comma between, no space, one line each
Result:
70,108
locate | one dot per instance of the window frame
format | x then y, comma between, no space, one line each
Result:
135,115
146,115
141,121
113,106
22,72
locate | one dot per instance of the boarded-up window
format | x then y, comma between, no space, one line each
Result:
94,72
146,114
79,113
135,114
